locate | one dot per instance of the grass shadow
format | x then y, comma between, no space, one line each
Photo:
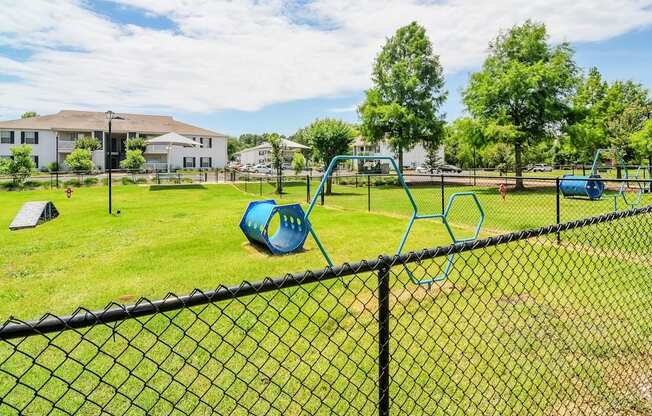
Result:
174,187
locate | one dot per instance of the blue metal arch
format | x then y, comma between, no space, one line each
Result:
414,217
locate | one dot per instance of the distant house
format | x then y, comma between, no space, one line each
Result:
52,138
262,154
411,158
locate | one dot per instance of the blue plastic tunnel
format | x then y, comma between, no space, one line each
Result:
287,238
581,186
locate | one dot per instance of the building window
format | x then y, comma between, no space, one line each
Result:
29,137
7,137
188,162
206,142
99,136
133,134
206,162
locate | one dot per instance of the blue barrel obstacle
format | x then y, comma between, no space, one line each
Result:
592,187
588,187
292,226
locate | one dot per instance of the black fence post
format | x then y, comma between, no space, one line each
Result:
369,193
383,341
307,189
557,183
442,193
323,189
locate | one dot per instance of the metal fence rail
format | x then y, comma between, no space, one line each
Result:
523,325
540,204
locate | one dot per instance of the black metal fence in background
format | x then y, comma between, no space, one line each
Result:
541,204
522,325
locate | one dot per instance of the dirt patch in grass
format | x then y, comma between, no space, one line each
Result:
626,390
368,301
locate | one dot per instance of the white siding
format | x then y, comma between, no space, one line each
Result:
411,158
217,153
45,149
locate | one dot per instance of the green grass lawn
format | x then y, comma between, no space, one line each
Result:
167,240
177,239
514,329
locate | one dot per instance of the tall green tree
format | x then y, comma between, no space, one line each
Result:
329,138
277,159
641,141
20,166
629,107
298,162
587,130
464,140
233,146
404,104
29,114
523,91
250,140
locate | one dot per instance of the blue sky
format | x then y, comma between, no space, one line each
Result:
258,66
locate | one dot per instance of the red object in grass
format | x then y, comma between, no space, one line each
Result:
503,190
68,192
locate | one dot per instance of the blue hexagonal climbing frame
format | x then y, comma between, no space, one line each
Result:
414,217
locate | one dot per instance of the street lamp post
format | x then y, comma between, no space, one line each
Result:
110,116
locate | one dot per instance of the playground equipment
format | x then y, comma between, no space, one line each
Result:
639,189
592,187
34,213
589,187
290,234
414,217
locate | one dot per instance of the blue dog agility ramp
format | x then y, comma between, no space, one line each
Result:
33,213
290,234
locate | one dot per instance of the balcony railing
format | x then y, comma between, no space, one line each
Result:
156,148
156,166
66,145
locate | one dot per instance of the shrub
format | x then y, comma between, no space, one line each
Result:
88,143
52,167
20,166
137,143
186,180
90,181
127,181
75,183
79,160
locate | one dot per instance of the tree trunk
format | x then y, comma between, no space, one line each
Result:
279,180
518,167
400,159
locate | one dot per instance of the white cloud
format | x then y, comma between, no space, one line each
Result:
248,54
349,109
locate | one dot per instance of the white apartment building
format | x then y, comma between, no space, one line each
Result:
52,138
262,154
411,158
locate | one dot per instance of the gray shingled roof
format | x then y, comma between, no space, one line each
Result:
72,120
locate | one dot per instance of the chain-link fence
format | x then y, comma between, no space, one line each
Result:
524,323
539,203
